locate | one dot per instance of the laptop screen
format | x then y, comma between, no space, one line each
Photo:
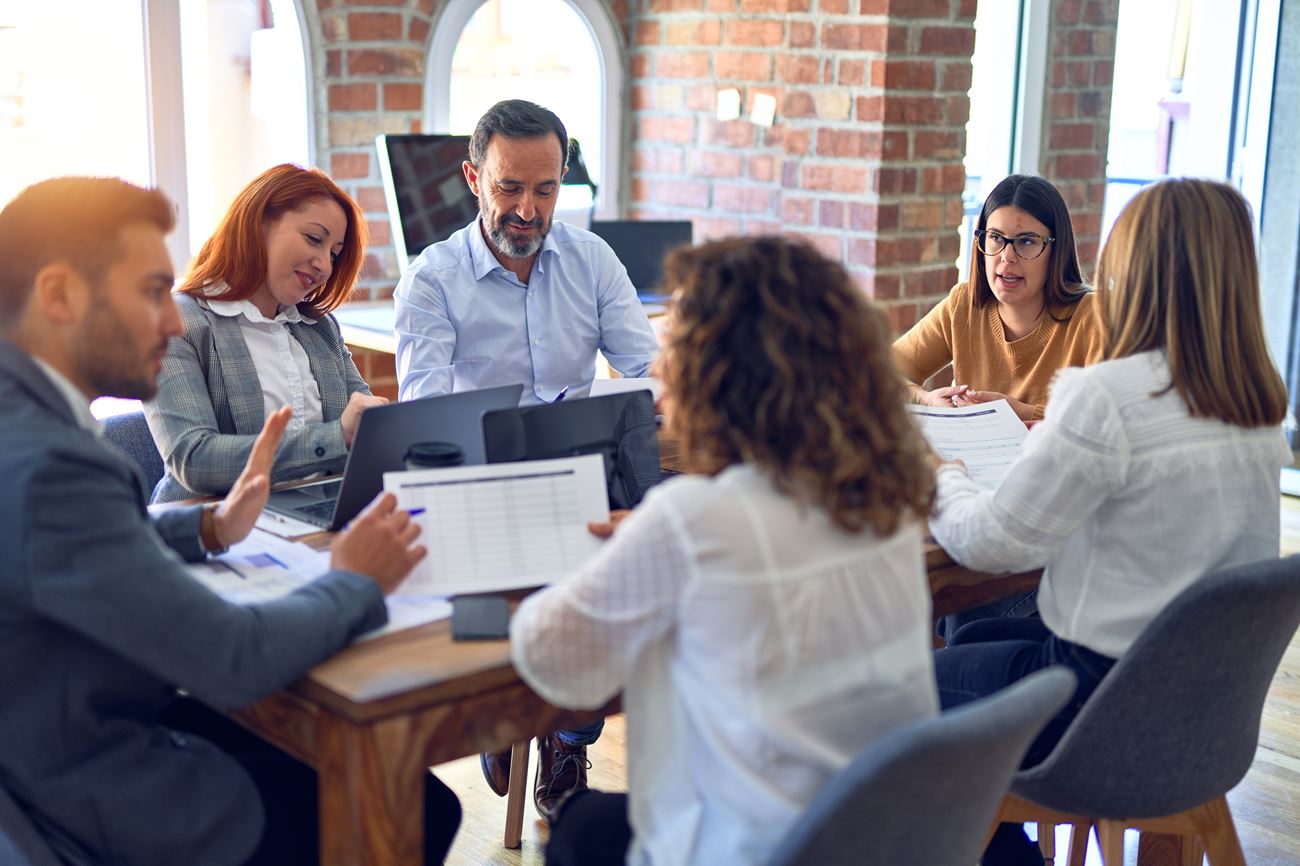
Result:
619,426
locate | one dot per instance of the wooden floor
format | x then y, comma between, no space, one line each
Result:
1266,804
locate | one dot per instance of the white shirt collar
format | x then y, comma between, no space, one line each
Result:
249,310
72,394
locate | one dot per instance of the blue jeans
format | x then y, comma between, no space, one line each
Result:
991,654
1019,605
583,736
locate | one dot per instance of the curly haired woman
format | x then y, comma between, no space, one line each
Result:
766,616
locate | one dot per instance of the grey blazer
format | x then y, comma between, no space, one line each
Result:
209,406
99,621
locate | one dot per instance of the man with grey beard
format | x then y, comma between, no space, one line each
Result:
513,297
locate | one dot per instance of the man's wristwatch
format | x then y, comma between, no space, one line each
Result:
208,530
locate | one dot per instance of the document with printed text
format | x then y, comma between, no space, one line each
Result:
601,387
987,438
264,567
502,526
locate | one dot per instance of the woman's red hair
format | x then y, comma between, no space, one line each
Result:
236,252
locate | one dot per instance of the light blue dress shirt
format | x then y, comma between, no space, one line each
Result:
465,322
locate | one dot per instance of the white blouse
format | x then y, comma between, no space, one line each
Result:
283,369
1124,497
758,647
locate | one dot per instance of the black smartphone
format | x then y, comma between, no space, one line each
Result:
480,617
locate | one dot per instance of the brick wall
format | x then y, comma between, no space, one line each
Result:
1076,116
865,156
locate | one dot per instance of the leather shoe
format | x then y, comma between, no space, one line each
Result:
561,770
496,770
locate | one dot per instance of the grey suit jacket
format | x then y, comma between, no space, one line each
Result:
99,621
209,407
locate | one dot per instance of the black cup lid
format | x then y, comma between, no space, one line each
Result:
434,454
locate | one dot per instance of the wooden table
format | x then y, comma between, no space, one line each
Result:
373,718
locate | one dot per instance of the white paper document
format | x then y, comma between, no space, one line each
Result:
264,567
284,526
600,387
503,526
987,438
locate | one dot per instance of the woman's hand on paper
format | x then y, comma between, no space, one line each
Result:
235,515
936,462
1024,411
943,397
379,543
605,530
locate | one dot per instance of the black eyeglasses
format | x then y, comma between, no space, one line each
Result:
1028,246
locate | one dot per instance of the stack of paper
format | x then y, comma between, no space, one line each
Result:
265,567
987,438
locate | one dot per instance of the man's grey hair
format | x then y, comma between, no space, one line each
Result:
517,118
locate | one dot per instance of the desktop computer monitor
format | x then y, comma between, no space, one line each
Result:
641,245
425,188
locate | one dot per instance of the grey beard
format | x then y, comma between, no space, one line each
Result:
512,247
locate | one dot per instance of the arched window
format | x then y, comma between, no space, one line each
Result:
564,54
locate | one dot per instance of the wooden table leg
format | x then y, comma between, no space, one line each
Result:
517,795
371,794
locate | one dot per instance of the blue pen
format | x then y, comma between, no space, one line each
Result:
560,396
414,511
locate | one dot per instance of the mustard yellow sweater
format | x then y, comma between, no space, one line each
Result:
972,339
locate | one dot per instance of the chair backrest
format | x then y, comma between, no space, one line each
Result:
1176,721
926,794
130,433
20,843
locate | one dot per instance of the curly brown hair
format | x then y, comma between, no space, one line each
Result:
776,358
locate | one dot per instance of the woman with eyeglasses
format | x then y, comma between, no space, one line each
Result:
1023,314
1152,468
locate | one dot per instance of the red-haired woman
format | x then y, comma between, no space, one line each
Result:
259,335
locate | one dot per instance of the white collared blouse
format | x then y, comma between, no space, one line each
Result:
758,647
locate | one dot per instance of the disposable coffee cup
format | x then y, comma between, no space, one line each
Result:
433,455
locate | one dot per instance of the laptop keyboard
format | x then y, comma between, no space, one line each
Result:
318,512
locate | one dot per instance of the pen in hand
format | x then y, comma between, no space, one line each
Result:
560,396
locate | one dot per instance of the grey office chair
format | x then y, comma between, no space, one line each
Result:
20,844
1175,724
131,435
924,795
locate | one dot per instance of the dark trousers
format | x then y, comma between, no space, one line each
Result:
1020,605
592,829
289,796
989,655
584,736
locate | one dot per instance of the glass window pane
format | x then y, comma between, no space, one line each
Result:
246,100
72,99
539,50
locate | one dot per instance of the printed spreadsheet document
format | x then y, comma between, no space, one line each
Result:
504,525
987,438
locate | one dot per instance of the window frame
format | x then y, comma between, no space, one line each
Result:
609,52
166,111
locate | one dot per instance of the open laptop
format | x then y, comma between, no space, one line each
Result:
620,426
383,435
641,245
